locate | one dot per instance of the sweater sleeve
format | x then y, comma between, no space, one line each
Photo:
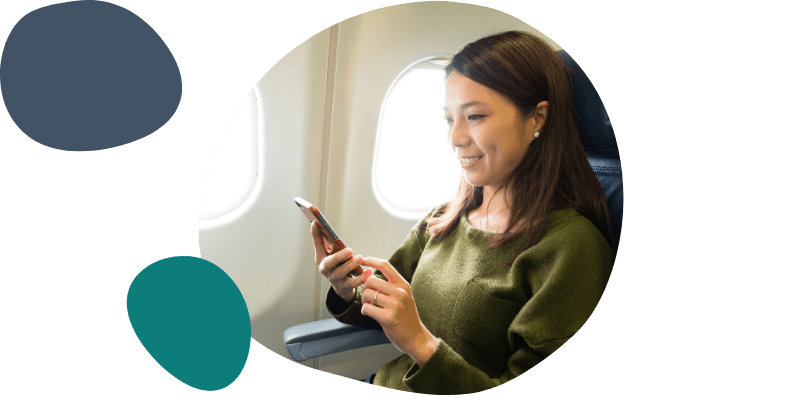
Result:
567,273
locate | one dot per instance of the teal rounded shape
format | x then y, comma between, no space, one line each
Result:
192,318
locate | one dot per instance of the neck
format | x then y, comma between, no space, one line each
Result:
496,199
494,212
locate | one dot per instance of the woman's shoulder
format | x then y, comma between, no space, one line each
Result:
436,211
422,224
569,231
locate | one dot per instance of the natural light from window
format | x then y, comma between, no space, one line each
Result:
415,168
233,170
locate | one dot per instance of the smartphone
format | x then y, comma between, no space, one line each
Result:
312,213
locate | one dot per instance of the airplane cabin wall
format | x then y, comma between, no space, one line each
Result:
319,110
264,244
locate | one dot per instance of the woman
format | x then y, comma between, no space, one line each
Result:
513,267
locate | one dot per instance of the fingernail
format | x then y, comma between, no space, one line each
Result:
348,252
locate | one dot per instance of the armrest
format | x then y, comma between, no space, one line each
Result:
328,336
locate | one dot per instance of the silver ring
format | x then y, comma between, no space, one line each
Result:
375,299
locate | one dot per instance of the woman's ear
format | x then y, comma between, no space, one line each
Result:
540,115
536,121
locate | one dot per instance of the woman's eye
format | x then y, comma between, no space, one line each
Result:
470,117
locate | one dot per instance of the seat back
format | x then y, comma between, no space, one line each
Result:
599,142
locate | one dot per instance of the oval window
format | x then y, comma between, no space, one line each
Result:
414,168
232,175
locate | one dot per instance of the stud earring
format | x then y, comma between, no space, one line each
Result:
536,134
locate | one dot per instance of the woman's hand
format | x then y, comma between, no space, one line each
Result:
337,266
394,308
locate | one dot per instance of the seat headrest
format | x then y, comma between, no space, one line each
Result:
593,121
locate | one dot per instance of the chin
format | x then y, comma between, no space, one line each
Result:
473,182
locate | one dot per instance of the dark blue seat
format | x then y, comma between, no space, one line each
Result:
599,142
329,336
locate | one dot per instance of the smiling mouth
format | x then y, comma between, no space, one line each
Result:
469,160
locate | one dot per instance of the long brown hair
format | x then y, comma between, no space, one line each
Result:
554,173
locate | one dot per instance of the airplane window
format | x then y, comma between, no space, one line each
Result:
414,168
233,170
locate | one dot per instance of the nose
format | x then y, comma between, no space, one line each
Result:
458,135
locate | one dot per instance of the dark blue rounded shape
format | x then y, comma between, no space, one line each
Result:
87,75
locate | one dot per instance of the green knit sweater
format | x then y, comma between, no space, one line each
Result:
494,321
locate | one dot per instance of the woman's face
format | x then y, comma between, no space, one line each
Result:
487,132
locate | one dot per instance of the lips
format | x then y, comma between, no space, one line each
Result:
467,160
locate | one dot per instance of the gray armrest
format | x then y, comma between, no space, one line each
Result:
328,336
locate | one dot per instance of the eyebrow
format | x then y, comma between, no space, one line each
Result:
469,104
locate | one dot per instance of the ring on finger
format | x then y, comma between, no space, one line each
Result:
375,299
